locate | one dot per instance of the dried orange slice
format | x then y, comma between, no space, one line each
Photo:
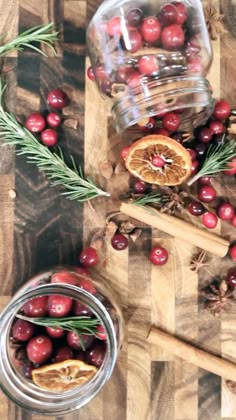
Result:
63,376
159,160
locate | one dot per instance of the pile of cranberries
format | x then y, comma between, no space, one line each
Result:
45,126
37,345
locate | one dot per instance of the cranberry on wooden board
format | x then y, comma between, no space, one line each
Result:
119,242
231,277
171,121
53,119
217,127
209,220
196,208
193,154
158,255
140,187
88,257
35,122
90,73
205,180
222,110
225,211
194,167
207,194
57,99
49,137
232,252
234,221
232,167
39,349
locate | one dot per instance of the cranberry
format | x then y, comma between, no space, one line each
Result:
80,309
134,79
88,257
124,152
172,37
231,277
114,26
100,72
49,137
57,99
217,127
193,153
232,252
192,49
106,87
158,161
195,65
181,12
27,370
22,330
161,132
36,307
55,332
200,149
64,277
101,333
63,353
79,355
171,121
207,194
90,73
226,211
140,187
232,167
134,41
87,285
122,74
59,306
178,136
158,255
196,208
205,180
222,110
134,17
205,135
146,124
96,355
119,242
194,167
35,123
82,271
168,14
234,221
148,65
209,220
77,342
39,349
151,29
53,119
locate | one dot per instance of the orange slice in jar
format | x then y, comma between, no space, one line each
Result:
63,376
160,160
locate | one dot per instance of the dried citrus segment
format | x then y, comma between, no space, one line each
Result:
63,376
159,160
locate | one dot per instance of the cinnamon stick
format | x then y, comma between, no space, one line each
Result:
181,229
194,355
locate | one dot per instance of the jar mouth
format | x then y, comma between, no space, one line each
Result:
28,395
189,94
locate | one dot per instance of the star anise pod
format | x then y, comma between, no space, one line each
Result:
219,298
231,386
173,198
214,22
198,262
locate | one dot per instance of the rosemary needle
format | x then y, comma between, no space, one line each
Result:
78,186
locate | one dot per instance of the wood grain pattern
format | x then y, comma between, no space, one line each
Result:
39,229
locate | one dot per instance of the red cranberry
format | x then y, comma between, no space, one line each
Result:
87,285
151,29
134,17
79,355
140,187
39,349
217,127
196,208
88,257
148,65
209,220
231,277
158,161
205,180
222,110
168,14
100,72
234,221
158,255
49,137
114,26
226,211
181,12
96,355
146,124
172,37
124,152
192,49
90,73
64,277
22,330
77,342
161,132
195,65
171,121
232,167
194,167
63,353
79,309
205,135
232,252
27,370
35,123
101,332
207,194
59,306
53,119
193,153
134,41
106,87
119,242
55,332
36,307
82,271
200,149
122,74
134,79
57,99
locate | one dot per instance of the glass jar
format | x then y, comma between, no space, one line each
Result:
100,302
152,57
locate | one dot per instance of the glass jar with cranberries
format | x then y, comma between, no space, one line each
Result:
59,340
151,57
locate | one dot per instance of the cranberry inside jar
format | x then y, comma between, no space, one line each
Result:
63,335
165,45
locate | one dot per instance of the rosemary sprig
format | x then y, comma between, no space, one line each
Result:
79,188
149,199
216,160
42,33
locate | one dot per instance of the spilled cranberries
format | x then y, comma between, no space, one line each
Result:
158,255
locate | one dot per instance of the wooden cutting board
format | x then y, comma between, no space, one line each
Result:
39,229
